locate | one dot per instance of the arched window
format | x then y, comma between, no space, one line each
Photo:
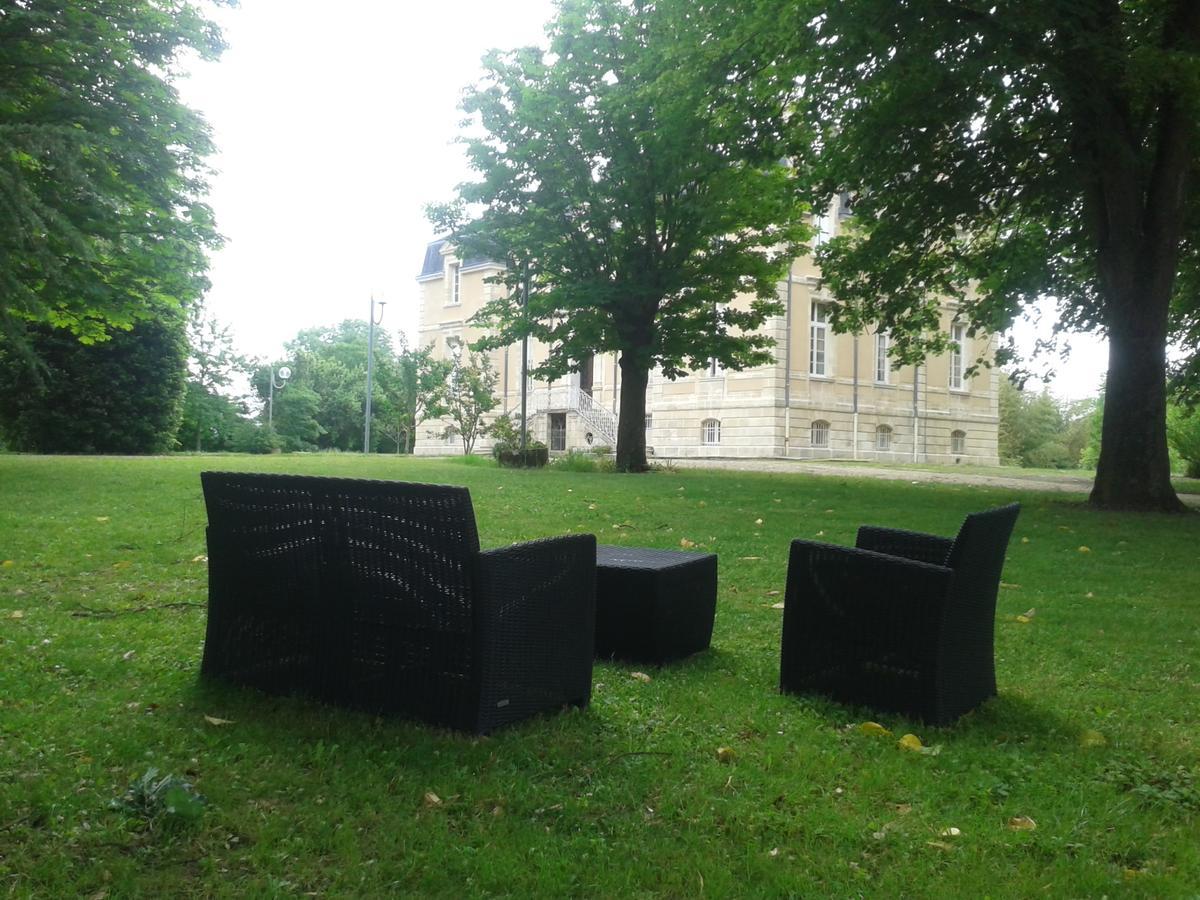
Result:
710,431
958,442
883,437
819,433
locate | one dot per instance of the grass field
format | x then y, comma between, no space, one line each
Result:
1094,736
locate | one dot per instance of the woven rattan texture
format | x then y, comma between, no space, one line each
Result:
654,605
903,623
375,595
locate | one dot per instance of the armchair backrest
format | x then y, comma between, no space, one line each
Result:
977,555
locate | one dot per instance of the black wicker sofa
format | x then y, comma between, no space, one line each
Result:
375,594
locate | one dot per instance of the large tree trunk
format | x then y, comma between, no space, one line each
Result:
1134,470
631,427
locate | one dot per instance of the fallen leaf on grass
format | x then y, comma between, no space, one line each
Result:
950,832
772,593
200,558
875,728
748,558
122,564
591,506
129,655
939,845
640,676
7,564
725,754
431,799
1089,595
910,742
1085,549
16,614
1092,738
1024,540
758,521
1022,823
685,543
778,605
101,518
1011,587
213,720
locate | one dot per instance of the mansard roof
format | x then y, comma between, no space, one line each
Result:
433,259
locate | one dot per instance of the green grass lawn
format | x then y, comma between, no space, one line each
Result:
1094,736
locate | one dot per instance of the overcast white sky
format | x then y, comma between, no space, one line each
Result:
335,124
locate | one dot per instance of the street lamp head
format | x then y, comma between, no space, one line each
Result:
285,373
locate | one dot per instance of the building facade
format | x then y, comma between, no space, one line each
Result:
825,396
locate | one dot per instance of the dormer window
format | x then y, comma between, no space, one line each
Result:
454,284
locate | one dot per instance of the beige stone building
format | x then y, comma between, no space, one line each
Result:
825,396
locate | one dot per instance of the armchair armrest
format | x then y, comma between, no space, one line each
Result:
929,548
845,606
534,627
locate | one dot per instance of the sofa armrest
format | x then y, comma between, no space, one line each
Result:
928,548
534,627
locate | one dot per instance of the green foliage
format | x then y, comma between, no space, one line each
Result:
1024,150
583,461
254,437
168,802
634,175
1183,433
210,417
413,388
122,395
1039,431
102,167
210,420
469,394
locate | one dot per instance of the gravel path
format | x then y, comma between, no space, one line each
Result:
1069,484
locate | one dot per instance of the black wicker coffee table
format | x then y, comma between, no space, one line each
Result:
653,605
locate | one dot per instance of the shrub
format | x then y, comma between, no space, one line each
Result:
536,456
250,437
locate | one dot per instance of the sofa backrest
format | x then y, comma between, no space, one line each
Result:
393,551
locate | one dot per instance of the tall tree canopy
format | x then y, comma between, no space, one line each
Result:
101,165
634,171
1024,149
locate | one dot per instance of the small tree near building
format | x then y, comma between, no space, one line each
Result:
470,394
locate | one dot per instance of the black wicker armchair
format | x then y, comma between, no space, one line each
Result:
902,622
375,595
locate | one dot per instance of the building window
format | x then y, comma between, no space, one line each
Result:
558,431
822,231
958,442
881,357
714,367
455,293
649,421
958,334
883,437
710,431
818,340
819,433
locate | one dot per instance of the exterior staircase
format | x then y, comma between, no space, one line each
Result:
599,421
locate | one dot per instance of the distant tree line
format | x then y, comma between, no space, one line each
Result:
1038,430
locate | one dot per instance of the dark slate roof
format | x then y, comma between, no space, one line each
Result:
433,259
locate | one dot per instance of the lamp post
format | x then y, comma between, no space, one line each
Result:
371,323
284,374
